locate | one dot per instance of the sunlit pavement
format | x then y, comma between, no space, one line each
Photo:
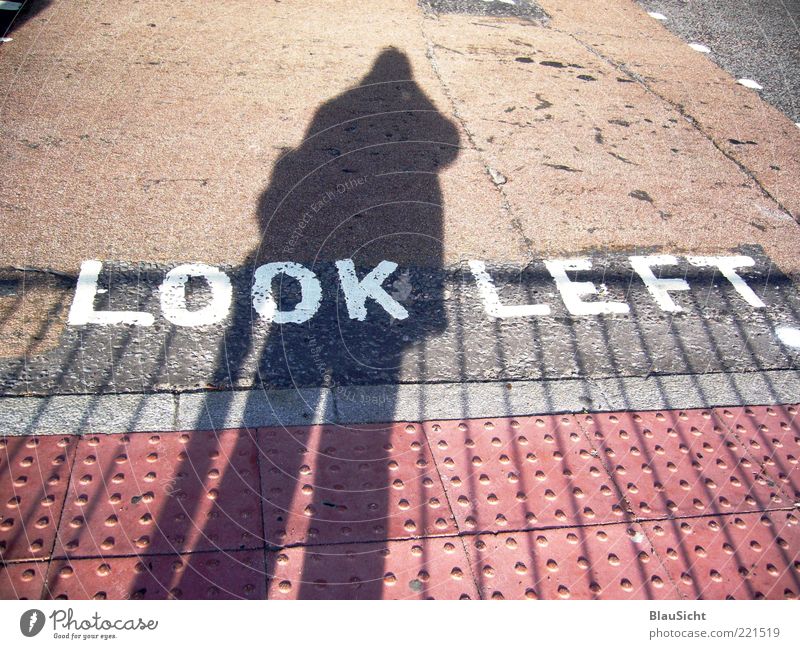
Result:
554,246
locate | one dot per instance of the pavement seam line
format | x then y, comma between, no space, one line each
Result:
505,205
593,379
52,553
681,110
461,535
450,507
627,504
255,436
65,414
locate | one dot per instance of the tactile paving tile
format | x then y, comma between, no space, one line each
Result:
431,568
771,434
739,556
162,492
592,562
522,473
329,484
24,580
204,575
679,464
34,473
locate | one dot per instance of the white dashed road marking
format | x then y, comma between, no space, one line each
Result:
789,336
749,83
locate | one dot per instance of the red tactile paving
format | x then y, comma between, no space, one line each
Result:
34,472
547,504
740,556
328,484
206,575
593,562
432,568
771,434
24,580
167,492
679,464
522,473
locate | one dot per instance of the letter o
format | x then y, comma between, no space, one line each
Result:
173,296
264,303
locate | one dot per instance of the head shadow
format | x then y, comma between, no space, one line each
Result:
364,182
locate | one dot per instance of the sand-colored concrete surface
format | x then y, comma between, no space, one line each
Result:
148,132
594,160
748,130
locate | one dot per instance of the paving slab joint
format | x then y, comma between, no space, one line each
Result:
681,110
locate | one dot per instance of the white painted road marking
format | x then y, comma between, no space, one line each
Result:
264,303
656,15
571,292
697,47
491,300
659,288
173,296
172,291
789,336
727,266
356,292
82,310
749,83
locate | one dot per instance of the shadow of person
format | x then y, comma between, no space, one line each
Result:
363,187
14,19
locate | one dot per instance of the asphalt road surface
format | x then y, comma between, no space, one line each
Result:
751,39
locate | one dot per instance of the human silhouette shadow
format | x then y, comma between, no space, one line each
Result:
364,186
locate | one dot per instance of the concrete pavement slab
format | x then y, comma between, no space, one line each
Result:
350,484
216,410
34,474
414,570
155,493
214,575
82,414
608,562
729,114
135,134
23,580
771,435
196,499
594,159
522,473
678,464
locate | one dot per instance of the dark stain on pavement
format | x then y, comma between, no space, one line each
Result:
562,167
641,195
